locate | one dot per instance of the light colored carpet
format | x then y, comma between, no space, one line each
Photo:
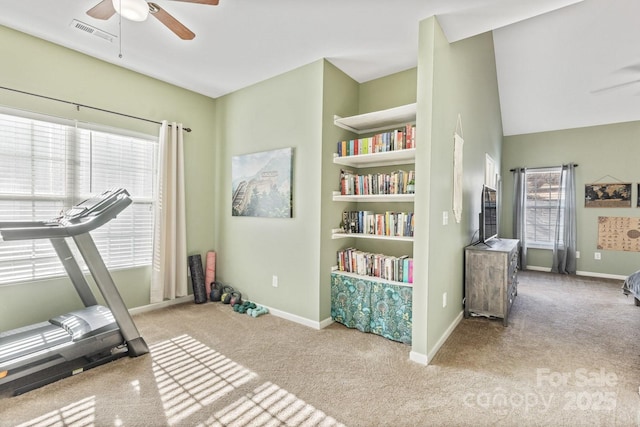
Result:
570,356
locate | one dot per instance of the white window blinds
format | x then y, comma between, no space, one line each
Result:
48,166
544,199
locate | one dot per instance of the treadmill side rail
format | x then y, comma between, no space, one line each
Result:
107,287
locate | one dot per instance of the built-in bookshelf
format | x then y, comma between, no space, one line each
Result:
396,149
363,281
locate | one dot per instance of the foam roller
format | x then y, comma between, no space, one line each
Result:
197,279
210,271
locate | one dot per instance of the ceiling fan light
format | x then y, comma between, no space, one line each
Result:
133,10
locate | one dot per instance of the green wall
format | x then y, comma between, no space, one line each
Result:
73,76
284,111
340,97
604,154
389,91
453,79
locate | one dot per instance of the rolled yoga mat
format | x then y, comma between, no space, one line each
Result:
197,279
210,271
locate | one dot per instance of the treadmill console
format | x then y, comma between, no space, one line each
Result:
95,204
81,218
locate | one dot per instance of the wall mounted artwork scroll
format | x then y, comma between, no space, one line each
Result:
617,195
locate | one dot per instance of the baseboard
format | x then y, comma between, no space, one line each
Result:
420,358
326,322
425,359
279,313
159,305
445,336
299,319
537,268
580,273
600,275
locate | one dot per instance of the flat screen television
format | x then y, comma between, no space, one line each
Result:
489,214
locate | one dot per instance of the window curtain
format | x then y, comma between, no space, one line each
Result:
564,245
519,209
169,269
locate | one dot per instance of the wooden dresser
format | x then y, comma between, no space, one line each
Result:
491,278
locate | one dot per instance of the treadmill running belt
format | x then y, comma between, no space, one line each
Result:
31,341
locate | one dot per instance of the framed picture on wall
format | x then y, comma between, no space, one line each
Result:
616,195
261,184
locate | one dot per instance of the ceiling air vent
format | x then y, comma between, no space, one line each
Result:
89,29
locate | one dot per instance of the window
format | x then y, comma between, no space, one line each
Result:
47,165
544,199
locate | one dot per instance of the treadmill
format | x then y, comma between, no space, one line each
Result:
71,343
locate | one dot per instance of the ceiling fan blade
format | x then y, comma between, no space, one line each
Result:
616,86
633,67
170,22
209,2
103,10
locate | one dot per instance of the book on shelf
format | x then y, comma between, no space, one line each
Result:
397,139
407,270
398,224
396,182
396,269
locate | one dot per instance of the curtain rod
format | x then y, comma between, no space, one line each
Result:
544,167
88,106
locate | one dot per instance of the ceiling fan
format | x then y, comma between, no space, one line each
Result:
139,10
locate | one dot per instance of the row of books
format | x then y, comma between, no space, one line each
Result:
397,269
381,224
376,183
398,139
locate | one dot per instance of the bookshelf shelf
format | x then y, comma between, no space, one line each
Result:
371,236
337,197
387,158
378,120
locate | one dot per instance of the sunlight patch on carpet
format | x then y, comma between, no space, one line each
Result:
78,414
190,376
270,405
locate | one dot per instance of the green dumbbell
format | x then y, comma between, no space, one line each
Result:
259,311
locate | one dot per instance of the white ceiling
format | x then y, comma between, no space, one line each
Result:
551,55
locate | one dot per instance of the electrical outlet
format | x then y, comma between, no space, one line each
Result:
274,281
577,254
444,300
445,217
597,255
